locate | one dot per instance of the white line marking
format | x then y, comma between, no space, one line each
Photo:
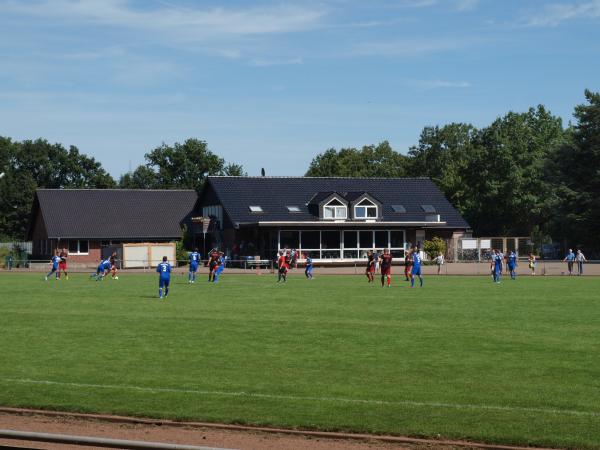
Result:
302,398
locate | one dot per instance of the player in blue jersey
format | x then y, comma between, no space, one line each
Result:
309,267
496,265
194,262
416,268
164,271
220,267
103,269
511,264
55,262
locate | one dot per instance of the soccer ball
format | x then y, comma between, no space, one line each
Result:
116,278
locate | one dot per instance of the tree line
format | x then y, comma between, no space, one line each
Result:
30,165
524,174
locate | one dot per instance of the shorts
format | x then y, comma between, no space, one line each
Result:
100,269
212,266
54,268
416,271
386,271
62,266
511,267
194,267
371,269
164,282
283,269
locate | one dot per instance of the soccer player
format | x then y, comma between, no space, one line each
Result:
386,268
55,261
408,265
282,266
220,267
569,259
102,270
496,265
62,265
370,266
194,261
164,271
416,268
309,267
213,262
511,264
113,265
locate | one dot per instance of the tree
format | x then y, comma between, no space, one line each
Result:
443,154
182,166
574,170
434,247
505,174
30,165
370,161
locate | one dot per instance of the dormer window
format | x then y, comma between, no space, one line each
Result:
365,209
255,209
292,208
335,210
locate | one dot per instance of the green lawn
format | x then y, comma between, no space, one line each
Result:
461,358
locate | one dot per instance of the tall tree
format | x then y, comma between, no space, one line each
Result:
182,166
574,170
39,164
443,154
370,161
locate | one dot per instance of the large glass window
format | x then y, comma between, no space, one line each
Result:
330,240
289,239
330,254
350,239
396,239
366,239
381,239
311,239
350,254
335,210
365,210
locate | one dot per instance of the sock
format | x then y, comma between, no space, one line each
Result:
412,282
421,280
166,291
389,280
160,292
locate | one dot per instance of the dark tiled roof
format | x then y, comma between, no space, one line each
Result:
115,213
274,193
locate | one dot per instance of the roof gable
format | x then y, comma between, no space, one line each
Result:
114,213
236,193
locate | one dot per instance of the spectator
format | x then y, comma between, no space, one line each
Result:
569,259
580,258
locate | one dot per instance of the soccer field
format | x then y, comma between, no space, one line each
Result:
460,358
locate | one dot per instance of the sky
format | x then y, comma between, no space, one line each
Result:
274,83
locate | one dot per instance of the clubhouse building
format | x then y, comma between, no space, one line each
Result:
330,219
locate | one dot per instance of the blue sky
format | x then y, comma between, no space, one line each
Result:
273,83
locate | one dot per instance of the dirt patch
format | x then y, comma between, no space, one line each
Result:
219,436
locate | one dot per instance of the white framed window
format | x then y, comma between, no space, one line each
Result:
365,209
292,208
255,208
79,247
335,210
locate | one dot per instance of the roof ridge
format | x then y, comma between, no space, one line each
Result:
321,178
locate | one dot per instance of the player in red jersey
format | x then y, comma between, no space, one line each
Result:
283,265
113,265
386,268
408,265
370,271
213,263
62,265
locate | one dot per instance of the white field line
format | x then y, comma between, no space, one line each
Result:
555,411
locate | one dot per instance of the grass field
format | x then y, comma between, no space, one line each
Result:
461,358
